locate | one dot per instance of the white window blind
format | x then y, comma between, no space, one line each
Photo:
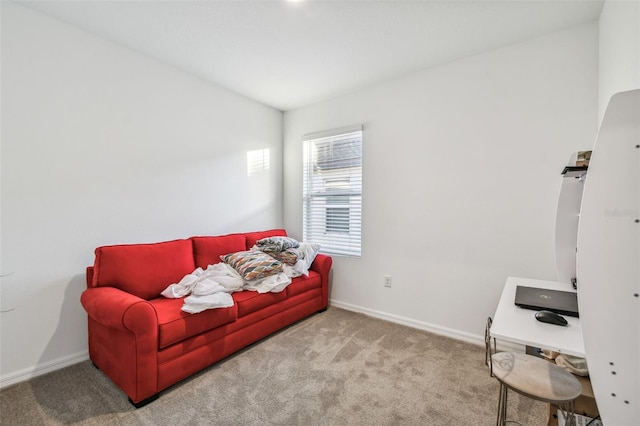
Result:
332,190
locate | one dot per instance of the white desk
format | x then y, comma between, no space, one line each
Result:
514,324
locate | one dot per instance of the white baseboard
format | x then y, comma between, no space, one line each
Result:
420,325
436,329
43,368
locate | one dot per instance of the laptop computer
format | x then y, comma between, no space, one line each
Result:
539,299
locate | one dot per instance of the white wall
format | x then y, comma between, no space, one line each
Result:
619,34
101,145
461,177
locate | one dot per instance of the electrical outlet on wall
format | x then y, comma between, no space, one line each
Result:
387,280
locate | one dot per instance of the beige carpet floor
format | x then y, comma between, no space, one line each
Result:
335,368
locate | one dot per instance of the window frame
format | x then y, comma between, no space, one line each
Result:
332,172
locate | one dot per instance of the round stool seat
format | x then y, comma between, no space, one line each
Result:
535,377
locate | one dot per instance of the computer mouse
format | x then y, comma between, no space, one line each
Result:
551,318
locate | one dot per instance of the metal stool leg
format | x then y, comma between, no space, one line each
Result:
502,406
568,411
499,406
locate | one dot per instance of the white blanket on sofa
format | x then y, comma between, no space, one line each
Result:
211,288
208,288
273,283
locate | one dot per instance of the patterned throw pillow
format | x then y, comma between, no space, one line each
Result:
289,256
277,244
252,265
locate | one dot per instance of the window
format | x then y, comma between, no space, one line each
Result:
332,190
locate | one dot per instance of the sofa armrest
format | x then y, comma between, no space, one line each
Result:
322,265
117,309
123,339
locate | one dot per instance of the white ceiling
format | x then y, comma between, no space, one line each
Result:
289,54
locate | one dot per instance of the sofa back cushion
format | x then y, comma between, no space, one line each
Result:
253,237
207,250
143,269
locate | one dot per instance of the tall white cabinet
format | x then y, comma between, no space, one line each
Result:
608,262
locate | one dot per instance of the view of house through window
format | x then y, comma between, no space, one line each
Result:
332,190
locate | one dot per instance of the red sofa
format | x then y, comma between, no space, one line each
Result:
145,343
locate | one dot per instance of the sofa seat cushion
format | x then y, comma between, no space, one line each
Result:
207,250
303,284
175,325
143,270
251,301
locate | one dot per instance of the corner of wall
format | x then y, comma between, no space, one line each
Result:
619,50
